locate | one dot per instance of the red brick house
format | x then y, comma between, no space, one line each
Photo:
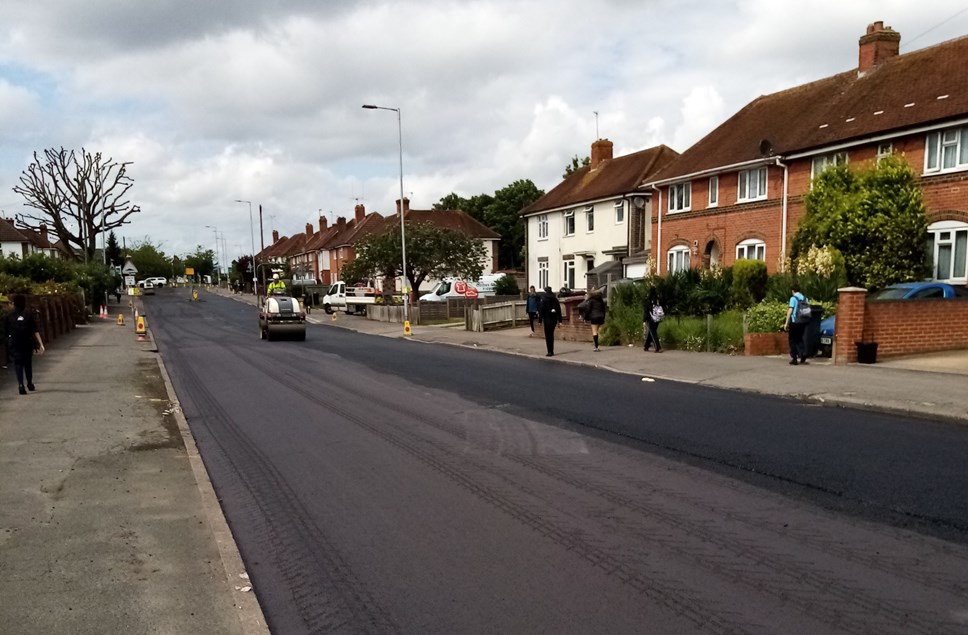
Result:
739,192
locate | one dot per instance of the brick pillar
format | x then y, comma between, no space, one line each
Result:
851,306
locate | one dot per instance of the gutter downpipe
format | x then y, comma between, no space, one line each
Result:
783,224
658,237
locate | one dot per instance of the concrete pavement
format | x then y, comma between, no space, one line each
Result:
108,522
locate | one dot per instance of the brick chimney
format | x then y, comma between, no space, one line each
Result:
359,212
601,152
406,206
43,233
878,44
275,236
323,224
309,229
341,223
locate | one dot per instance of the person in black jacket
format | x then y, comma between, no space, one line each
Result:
594,313
22,338
549,311
651,320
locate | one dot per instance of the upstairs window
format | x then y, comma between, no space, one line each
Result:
680,196
569,228
946,150
752,185
884,150
713,191
619,212
590,219
821,163
542,226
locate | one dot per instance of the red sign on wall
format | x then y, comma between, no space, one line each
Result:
460,287
470,293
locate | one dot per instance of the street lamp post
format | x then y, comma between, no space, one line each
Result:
403,240
255,290
215,262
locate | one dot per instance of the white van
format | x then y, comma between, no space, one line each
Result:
444,289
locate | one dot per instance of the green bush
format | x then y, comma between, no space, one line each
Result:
724,334
506,285
750,282
767,316
623,322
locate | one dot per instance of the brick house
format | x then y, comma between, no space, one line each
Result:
739,192
596,222
22,242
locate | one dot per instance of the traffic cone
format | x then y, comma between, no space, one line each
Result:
120,319
103,312
334,316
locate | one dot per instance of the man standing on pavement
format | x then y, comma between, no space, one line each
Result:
22,337
795,329
549,311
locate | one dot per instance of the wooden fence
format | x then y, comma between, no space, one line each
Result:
488,317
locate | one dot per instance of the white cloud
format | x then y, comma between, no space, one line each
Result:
261,101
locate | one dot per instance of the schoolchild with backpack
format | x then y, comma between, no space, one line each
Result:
797,318
651,317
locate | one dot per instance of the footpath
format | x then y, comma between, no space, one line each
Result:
109,524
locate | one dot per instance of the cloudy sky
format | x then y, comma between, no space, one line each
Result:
261,100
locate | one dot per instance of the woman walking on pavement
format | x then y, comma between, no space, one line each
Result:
653,314
532,307
549,311
595,310
22,338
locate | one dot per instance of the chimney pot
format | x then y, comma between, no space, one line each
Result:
323,223
878,44
406,205
275,236
309,229
359,212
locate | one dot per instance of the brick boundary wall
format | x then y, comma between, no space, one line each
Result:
900,327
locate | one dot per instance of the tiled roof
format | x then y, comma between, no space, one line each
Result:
914,89
454,219
10,234
615,177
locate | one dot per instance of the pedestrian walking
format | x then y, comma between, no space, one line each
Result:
22,338
534,303
651,317
795,326
593,310
549,311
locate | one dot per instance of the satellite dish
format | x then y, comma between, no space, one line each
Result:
639,202
766,148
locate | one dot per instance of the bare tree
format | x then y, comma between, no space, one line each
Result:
80,195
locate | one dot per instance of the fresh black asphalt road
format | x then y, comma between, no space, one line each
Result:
385,485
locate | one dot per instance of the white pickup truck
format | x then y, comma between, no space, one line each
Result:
351,299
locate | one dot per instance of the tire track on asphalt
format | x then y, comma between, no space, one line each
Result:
324,589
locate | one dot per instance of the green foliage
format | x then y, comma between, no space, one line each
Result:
38,268
875,216
202,261
767,316
11,284
749,282
506,285
431,252
723,334
113,251
574,165
149,260
623,322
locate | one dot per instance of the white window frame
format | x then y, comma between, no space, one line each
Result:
751,249
677,259
542,274
542,227
619,211
713,191
824,161
680,197
884,150
946,150
953,237
568,273
751,185
568,226
590,220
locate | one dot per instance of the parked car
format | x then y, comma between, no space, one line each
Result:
158,281
900,291
147,287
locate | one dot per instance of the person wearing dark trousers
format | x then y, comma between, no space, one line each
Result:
22,338
795,330
534,303
594,313
549,311
650,319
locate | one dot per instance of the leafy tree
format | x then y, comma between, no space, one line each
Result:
506,285
113,250
202,261
875,217
503,216
149,260
473,206
431,252
79,194
575,165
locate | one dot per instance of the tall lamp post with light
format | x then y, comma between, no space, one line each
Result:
255,289
218,276
403,240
